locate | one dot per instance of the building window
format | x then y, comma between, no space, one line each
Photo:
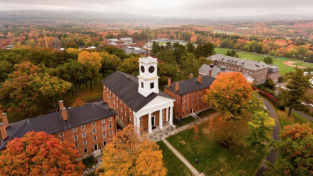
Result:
103,121
140,118
183,107
83,127
74,130
110,125
104,135
94,131
187,112
103,128
104,143
84,142
151,85
141,84
93,124
94,138
85,150
111,133
75,137
61,134
84,134
61,140
183,113
110,118
76,145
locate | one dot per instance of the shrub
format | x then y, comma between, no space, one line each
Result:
272,99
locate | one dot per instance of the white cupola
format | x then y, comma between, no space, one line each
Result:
148,80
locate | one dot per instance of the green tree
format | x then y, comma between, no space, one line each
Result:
130,66
5,69
295,148
268,60
72,72
260,131
166,71
231,53
190,47
71,44
51,87
208,49
202,61
167,56
190,64
90,71
109,63
296,93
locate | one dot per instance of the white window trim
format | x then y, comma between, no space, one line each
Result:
83,134
83,127
74,130
104,135
61,133
94,131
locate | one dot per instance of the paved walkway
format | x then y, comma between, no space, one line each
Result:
273,154
192,169
304,115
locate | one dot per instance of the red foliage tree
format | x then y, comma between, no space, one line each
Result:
39,154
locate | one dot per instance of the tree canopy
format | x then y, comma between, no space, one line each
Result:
39,154
268,60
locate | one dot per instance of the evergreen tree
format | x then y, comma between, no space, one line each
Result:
190,47
295,94
232,53
268,60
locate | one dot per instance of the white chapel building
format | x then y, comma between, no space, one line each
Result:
138,101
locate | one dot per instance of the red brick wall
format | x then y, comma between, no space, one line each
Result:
69,135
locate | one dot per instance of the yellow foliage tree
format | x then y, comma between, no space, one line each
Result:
93,58
78,102
130,154
73,51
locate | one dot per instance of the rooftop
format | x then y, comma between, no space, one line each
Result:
53,122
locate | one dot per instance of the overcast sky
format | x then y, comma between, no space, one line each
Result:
171,8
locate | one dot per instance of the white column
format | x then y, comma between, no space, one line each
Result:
171,115
149,123
167,110
138,125
135,120
160,119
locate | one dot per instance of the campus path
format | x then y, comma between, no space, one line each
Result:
273,154
191,168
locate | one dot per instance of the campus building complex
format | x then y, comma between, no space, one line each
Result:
259,71
123,42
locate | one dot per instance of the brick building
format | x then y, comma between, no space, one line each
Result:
123,42
259,71
139,101
90,127
188,94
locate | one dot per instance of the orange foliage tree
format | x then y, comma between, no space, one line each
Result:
229,93
130,154
78,102
39,154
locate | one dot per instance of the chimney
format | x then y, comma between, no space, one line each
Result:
64,114
190,75
177,86
5,120
3,131
169,82
210,72
200,79
110,103
61,104
105,97
211,65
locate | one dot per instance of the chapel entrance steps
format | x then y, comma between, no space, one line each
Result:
157,133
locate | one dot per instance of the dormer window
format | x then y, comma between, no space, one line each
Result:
152,85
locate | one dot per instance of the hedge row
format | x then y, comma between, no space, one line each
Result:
270,97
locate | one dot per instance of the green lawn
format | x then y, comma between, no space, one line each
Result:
206,113
174,166
214,158
187,120
284,120
283,69
89,162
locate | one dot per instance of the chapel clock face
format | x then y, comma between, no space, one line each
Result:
142,69
151,69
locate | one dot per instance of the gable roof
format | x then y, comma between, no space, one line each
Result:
53,122
247,64
191,85
125,86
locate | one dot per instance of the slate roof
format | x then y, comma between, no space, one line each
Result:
247,64
53,122
125,86
191,85
204,69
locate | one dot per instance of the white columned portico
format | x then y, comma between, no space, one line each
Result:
166,113
149,124
171,115
138,124
160,119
